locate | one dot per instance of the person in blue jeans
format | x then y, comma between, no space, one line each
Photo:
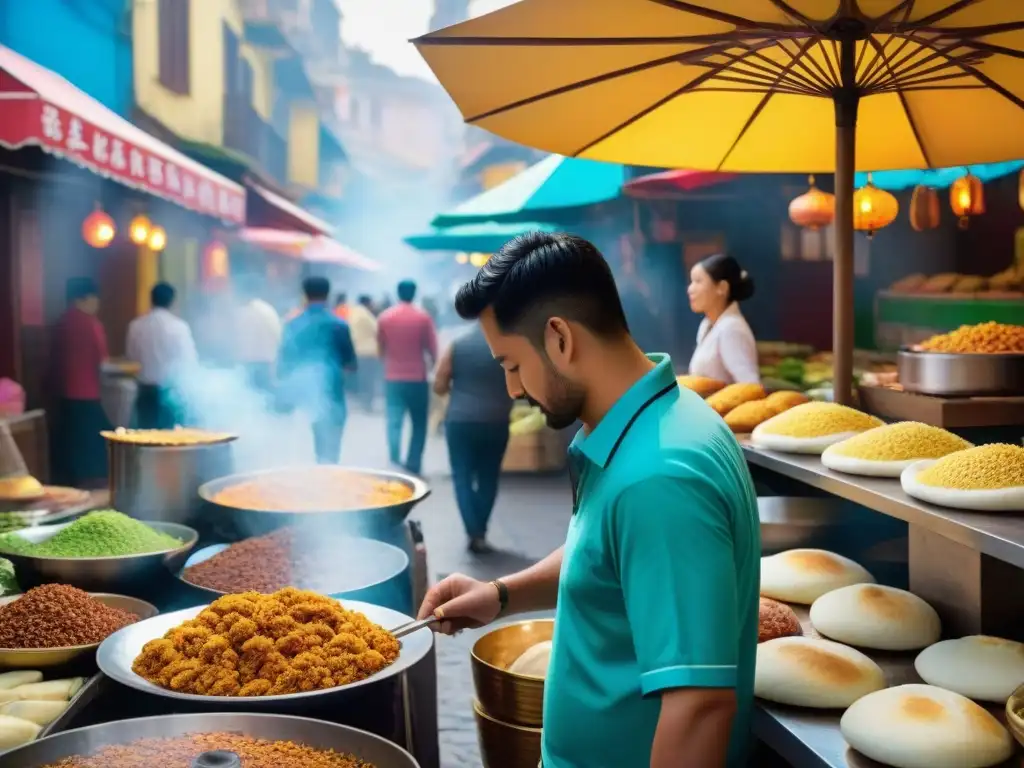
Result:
476,428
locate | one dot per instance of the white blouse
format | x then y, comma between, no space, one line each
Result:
726,350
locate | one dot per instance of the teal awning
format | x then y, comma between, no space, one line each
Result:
486,237
554,183
939,177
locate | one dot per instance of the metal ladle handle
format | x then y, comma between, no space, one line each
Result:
413,626
219,758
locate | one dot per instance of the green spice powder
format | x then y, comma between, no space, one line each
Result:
104,533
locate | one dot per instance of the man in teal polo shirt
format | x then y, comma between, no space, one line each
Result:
656,588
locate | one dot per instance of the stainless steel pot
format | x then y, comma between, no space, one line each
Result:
161,482
939,373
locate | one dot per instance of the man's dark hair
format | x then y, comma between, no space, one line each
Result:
539,275
316,288
162,295
79,288
366,300
342,299
406,290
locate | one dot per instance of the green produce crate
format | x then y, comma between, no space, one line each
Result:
907,319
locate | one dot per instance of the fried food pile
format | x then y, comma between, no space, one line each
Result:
984,338
250,644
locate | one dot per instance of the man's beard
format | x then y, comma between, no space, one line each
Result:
566,401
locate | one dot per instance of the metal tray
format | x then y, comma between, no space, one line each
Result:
88,693
117,653
952,375
314,733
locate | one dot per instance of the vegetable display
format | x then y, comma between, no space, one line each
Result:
28,704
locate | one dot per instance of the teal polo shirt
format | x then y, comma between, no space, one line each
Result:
660,577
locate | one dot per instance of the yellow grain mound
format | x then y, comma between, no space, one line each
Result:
901,442
819,420
985,468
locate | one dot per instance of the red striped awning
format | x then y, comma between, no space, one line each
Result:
673,183
313,248
270,210
40,108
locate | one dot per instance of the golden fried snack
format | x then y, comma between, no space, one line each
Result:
940,283
909,284
969,284
733,395
985,338
267,645
744,417
1007,280
702,385
786,399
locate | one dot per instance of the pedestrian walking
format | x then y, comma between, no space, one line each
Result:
656,588
363,325
408,345
476,429
258,329
162,344
316,355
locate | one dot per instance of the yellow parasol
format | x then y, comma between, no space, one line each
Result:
750,86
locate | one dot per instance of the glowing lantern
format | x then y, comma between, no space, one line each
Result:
967,198
924,208
873,208
139,229
1020,190
215,261
462,258
813,209
479,259
98,229
157,240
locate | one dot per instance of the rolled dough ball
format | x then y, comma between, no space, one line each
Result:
533,662
978,667
806,672
873,616
804,575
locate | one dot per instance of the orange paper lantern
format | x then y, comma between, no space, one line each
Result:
157,239
873,208
98,229
813,209
967,198
924,208
215,261
139,229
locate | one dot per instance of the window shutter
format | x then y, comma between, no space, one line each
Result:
174,46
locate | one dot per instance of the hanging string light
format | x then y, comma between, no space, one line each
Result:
813,209
479,259
157,239
967,198
873,208
139,229
462,258
98,229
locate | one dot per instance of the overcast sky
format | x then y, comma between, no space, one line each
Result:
384,28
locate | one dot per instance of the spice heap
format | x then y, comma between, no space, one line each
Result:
984,338
58,616
104,533
316,489
267,645
819,419
985,468
269,563
900,442
176,436
179,752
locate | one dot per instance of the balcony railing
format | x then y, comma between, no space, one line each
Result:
245,132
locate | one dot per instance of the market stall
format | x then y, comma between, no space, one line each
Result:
165,630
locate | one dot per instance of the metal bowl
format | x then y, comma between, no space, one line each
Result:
356,522
363,569
504,695
504,745
946,374
123,573
301,730
43,658
1015,714
117,653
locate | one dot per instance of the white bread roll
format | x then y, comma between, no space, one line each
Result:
806,672
921,726
533,662
804,575
873,616
978,667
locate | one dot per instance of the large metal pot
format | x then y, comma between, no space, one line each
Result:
161,482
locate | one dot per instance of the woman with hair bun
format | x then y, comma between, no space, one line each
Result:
726,349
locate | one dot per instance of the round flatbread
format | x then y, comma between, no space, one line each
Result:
1007,499
921,726
806,672
873,616
534,661
803,575
978,667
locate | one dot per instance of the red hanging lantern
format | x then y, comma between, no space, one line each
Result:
98,229
216,265
967,198
139,229
813,209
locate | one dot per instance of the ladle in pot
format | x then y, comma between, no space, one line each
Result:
219,758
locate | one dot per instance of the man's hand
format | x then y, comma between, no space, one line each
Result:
461,603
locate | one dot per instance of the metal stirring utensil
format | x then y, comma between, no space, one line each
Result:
413,626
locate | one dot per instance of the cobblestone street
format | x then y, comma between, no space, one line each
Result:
529,521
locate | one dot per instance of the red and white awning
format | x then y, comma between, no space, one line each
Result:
40,108
312,248
271,210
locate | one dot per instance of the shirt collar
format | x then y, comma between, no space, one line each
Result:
600,444
732,309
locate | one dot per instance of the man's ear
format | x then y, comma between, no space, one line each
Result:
558,341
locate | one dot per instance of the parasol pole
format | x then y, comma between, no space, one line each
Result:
846,99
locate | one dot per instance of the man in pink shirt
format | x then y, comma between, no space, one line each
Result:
407,339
